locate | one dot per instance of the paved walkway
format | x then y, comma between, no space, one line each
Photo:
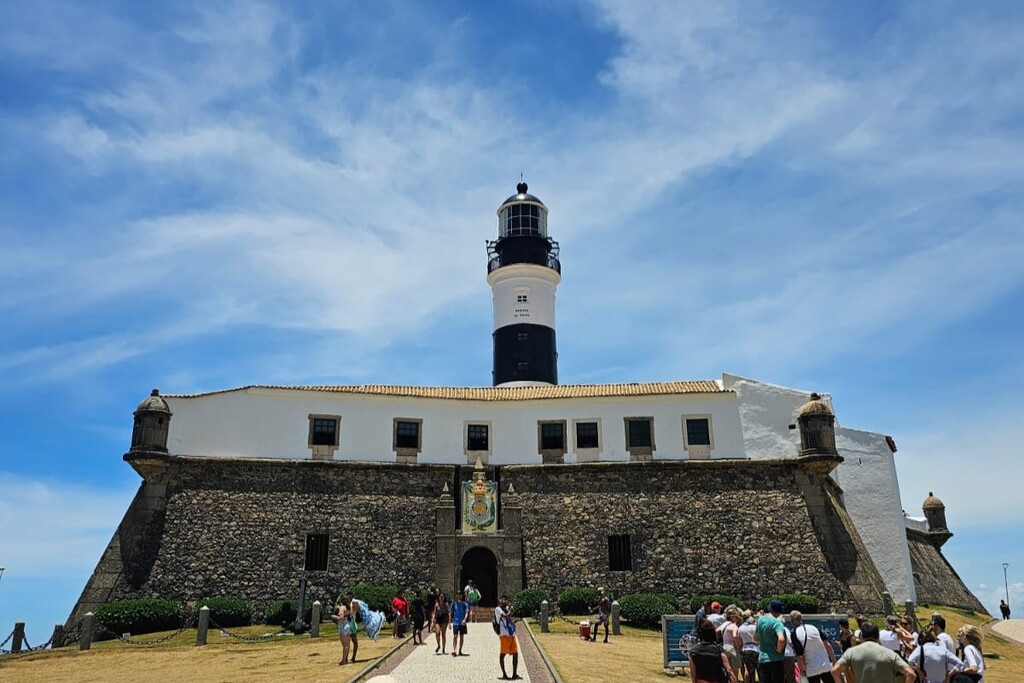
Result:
478,663
1011,628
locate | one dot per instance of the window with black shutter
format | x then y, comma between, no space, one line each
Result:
407,434
620,554
325,432
552,435
477,437
698,431
316,552
586,435
638,433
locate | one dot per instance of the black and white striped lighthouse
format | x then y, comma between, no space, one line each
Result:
523,271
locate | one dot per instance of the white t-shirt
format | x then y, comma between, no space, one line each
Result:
889,640
729,634
815,656
946,640
972,657
938,661
747,636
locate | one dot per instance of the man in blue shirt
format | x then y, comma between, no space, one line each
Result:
771,641
460,610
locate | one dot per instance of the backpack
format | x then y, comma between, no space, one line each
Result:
798,647
495,623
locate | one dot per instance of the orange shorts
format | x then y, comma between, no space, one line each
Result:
509,646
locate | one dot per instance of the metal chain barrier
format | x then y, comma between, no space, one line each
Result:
186,623
26,647
248,639
6,640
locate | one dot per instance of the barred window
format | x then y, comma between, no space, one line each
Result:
477,437
638,433
407,434
586,435
698,431
324,432
316,552
620,554
552,435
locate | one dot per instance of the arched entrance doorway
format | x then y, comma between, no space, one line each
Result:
480,565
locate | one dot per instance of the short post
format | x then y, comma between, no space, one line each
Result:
545,609
204,625
57,639
85,627
616,627
887,604
314,627
19,636
909,605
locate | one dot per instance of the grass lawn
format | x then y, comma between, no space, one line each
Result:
222,660
636,655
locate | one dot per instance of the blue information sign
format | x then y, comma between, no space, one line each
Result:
676,630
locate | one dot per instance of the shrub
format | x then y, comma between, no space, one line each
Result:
377,597
526,603
808,604
144,615
645,609
697,601
228,612
577,600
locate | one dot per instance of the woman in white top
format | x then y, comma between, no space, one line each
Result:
938,661
749,650
973,661
731,642
889,637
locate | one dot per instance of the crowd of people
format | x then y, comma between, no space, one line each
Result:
429,609
737,645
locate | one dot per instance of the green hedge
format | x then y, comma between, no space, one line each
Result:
526,603
228,612
282,613
645,609
808,604
144,615
577,600
697,601
377,597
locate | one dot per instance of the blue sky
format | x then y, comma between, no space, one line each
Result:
203,196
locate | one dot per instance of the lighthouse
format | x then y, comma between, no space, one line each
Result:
523,271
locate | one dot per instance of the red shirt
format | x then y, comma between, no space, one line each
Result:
401,605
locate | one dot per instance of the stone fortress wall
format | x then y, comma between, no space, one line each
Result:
205,527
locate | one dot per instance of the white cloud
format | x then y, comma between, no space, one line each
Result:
54,527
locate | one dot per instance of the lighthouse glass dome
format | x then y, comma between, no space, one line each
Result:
522,219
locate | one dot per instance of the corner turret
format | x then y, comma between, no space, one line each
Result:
152,421
935,513
818,434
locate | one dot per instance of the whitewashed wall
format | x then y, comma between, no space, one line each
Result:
867,476
274,423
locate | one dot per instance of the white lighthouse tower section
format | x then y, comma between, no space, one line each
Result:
523,293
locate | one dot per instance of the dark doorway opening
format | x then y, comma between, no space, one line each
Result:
480,565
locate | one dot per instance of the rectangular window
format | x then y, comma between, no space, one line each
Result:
324,432
477,437
620,554
522,336
586,435
638,433
316,552
407,434
522,299
552,436
698,431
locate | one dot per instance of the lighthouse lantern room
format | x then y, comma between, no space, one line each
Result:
523,271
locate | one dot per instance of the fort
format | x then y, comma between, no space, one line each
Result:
686,487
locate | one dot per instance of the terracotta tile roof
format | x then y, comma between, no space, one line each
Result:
500,393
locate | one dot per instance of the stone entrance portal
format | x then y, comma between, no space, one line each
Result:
476,546
480,565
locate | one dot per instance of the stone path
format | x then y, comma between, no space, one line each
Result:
479,663
1011,628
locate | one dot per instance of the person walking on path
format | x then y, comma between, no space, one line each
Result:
771,640
870,662
604,615
346,625
440,620
400,608
814,654
1004,609
417,612
460,612
473,598
507,634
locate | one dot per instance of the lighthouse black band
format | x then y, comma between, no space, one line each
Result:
525,353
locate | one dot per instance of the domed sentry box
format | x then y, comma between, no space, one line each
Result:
935,512
152,421
818,435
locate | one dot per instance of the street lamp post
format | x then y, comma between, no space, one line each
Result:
1,572
1006,584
